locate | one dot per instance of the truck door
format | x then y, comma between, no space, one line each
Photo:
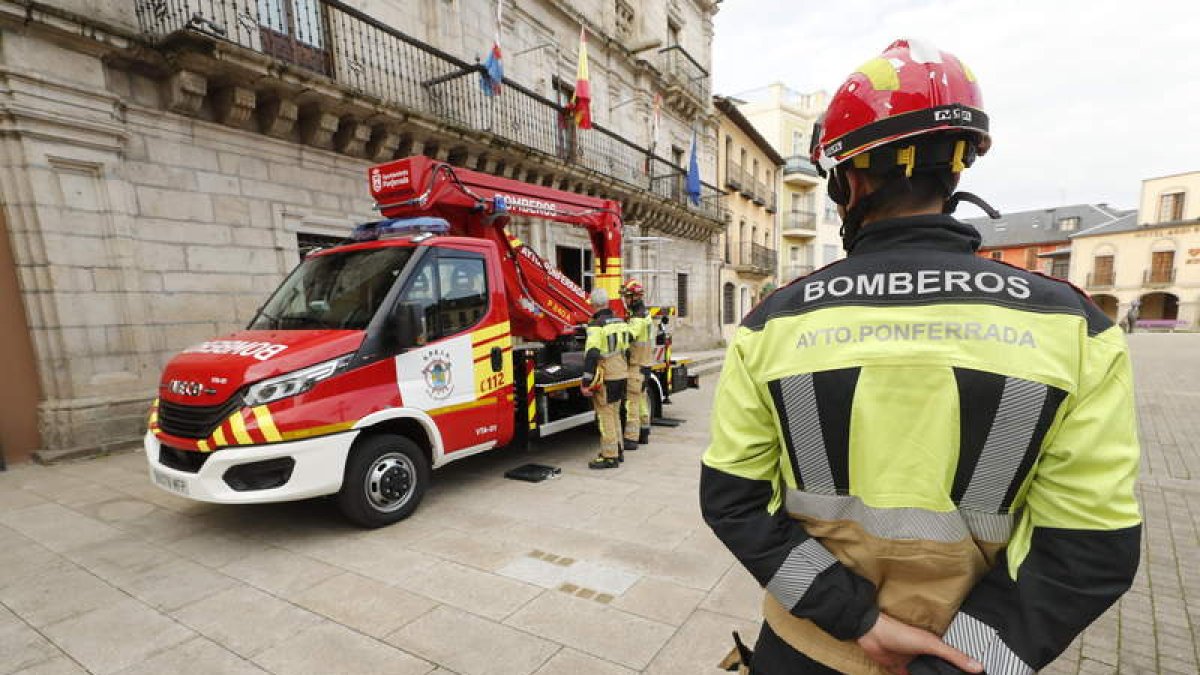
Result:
463,373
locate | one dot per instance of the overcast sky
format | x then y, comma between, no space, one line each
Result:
1086,98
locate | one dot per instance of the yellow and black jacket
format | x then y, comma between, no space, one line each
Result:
605,358
640,335
921,431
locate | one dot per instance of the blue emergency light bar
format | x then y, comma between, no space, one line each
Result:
399,227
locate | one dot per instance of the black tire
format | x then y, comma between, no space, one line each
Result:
386,477
656,404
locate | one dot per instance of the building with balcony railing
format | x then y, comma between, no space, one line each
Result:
749,170
809,230
1147,261
166,161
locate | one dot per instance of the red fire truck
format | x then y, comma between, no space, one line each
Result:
433,335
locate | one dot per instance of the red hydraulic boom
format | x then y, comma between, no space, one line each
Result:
546,303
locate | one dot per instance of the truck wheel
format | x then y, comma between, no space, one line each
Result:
386,476
656,404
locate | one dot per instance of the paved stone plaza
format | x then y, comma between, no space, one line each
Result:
595,572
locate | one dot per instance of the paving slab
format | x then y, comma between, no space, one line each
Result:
472,645
245,620
330,648
571,662
117,636
594,628
367,605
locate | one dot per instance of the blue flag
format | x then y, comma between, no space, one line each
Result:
693,175
493,72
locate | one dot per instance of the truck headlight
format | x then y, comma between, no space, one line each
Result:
296,382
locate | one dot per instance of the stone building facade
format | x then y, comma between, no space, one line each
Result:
750,168
163,163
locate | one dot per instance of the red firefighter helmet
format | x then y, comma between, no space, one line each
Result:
909,90
633,289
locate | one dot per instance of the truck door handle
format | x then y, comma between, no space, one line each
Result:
497,359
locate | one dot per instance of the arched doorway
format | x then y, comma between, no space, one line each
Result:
1107,304
1158,306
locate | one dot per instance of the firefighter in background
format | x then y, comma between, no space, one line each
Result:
605,369
917,498
637,406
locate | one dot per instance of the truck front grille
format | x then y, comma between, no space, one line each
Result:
181,460
194,421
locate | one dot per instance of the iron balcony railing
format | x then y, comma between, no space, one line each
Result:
799,164
733,175
1101,279
1158,276
760,193
757,258
772,202
798,219
794,271
685,71
374,60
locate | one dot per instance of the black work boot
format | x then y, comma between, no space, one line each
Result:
643,436
629,446
604,463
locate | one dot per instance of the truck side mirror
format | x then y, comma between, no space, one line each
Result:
408,325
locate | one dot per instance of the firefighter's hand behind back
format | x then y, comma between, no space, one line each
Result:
893,644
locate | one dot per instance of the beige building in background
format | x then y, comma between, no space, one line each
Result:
1151,258
749,168
808,219
164,163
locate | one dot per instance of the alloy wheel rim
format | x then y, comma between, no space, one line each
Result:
390,482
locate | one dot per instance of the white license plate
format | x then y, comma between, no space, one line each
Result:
177,485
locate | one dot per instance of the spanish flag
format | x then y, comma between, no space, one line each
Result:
581,101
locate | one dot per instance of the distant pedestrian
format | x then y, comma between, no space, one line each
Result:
1131,316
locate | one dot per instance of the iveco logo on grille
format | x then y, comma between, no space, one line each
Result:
185,388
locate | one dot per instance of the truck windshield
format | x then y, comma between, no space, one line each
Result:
333,291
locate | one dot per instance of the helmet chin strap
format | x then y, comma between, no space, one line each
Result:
896,183
953,200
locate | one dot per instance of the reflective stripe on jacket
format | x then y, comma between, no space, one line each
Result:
605,348
640,353
921,431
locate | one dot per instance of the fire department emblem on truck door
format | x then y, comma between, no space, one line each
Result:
439,374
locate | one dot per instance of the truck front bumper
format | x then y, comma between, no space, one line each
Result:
253,474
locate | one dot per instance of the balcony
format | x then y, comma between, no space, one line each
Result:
755,259
733,175
1098,280
1158,277
772,202
684,75
799,223
798,169
794,271
339,79
760,193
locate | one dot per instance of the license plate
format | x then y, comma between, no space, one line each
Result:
177,485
